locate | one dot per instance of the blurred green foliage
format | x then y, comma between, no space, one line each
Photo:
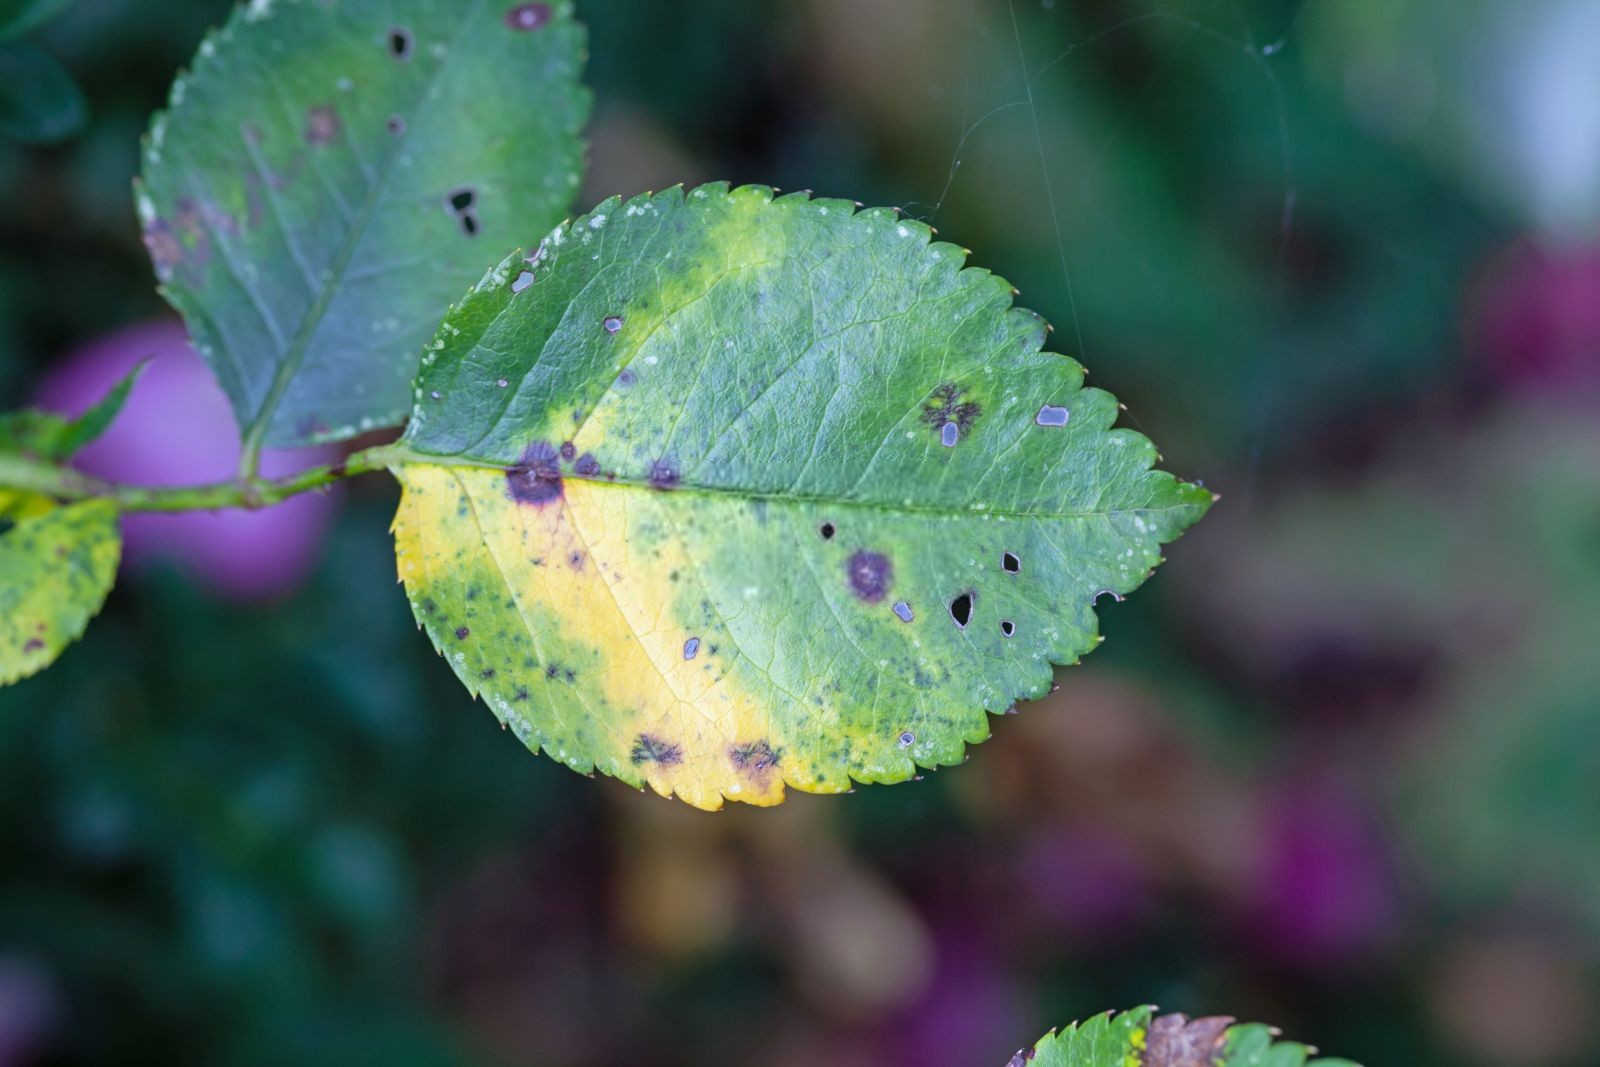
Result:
1334,769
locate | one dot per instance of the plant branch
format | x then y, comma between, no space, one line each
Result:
254,492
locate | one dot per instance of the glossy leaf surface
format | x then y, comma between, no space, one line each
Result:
332,173
719,493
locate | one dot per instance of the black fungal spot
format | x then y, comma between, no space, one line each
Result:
400,42
827,531
1011,563
576,561
322,125
487,674
396,125
663,474
1008,627
587,465
950,414
430,606
869,574
648,749
961,610
755,758
522,694
462,633
527,17
537,480
552,672
626,379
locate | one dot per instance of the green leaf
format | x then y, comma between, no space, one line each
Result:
55,571
1140,1038
330,175
39,101
717,492
17,17
48,436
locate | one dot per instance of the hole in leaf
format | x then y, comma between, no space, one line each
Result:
462,200
523,280
1011,563
1050,415
613,323
903,612
469,224
1008,627
400,43
961,609
691,648
908,739
827,531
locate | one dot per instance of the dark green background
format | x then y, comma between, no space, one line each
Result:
1334,767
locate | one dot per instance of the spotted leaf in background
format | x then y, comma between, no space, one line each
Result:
1140,1038
56,567
720,493
332,173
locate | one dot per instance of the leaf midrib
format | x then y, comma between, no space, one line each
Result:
778,496
299,345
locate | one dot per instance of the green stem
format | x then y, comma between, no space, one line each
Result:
253,492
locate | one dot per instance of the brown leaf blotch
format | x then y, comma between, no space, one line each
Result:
1178,1041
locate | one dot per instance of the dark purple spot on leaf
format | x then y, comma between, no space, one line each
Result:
537,479
396,125
528,16
691,648
754,759
648,749
587,465
322,125
903,611
950,414
462,633
1050,415
33,645
663,474
869,574
568,450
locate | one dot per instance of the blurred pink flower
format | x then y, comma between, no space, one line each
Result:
1323,889
1534,317
178,429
